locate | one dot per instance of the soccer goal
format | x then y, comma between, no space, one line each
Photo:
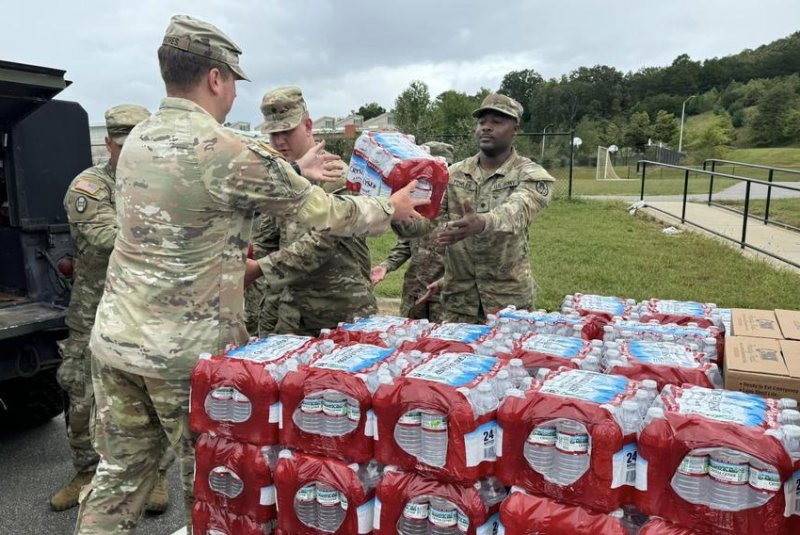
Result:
605,169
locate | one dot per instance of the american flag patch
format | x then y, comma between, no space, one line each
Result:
86,186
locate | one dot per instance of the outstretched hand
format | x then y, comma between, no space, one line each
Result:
321,166
433,289
377,274
470,224
405,205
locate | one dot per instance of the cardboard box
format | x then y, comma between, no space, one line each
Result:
755,323
789,321
763,366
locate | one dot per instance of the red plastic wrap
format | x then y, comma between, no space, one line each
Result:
437,385
659,526
719,420
451,337
234,477
299,470
678,312
523,514
368,330
208,519
398,488
550,351
543,322
583,397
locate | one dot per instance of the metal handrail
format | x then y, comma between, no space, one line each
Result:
748,180
752,165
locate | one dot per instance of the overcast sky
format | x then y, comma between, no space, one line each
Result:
349,52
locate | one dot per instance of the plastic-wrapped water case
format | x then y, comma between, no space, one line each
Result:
525,321
210,520
386,331
680,312
384,162
709,340
327,405
236,395
235,477
572,437
524,514
439,417
552,351
321,495
452,337
718,461
408,503
602,307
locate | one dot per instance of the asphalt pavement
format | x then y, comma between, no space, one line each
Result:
34,464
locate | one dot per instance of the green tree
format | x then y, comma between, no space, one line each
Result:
665,127
412,109
638,131
713,141
774,107
368,111
522,86
452,112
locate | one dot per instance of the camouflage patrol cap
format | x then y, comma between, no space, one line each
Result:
443,150
203,39
502,104
121,119
283,109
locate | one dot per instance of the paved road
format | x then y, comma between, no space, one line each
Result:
33,464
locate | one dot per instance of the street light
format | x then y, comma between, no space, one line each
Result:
544,136
683,114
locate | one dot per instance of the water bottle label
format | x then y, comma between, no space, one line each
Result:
624,467
459,332
424,190
601,303
416,511
374,324
481,444
683,308
275,411
355,358
269,349
454,369
411,418
363,172
694,465
585,385
765,479
443,518
371,425
343,502
641,473
491,527
353,412
434,422
578,443
376,522
335,407
557,346
543,436
366,513
267,496
327,497
307,493
463,522
791,492
663,353
311,405
728,472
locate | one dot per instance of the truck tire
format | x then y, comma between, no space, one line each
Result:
29,402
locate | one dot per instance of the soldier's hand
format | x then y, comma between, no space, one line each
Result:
433,289
455,231
377,274
321,166
405,205
252,271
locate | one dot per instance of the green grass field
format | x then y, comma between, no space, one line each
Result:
597,247
785,211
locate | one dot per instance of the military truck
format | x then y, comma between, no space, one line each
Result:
44,144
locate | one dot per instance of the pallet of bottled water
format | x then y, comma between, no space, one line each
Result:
709,340
680,312
327,405
464,338
439,417
662,362
318,494
720,461
524,321
236,394
523,513
385,331
572,436
236,478
207,519
407,503
552,351
601,308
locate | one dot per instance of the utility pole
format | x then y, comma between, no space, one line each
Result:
683,115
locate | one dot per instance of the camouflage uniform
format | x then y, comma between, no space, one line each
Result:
490,270
325,279
187,190
255,294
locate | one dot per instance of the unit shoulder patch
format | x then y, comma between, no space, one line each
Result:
542,188
80,204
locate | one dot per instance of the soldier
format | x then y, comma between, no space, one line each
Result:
187,190
489,204
328,280
89,204
427,262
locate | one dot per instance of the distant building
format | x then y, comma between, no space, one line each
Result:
333,125
384,121
244,126
97,137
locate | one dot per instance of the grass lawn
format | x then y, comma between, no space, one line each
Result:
782,210
659,181
596,247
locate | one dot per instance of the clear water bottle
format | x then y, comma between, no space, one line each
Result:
491,491
434,439
370,474
334,413
329,510
517,371
218,404
787,403
223,480
408,432
311,413
415,356
540,448
415,517
643,400
572,452
764,482
691,479
443,517
305,505
653,413
729,474
241,407
462,521
631,417
791,440
590,364
484,399
502,382
651,387
353,414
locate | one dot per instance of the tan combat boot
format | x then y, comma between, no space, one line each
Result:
158,500
67,496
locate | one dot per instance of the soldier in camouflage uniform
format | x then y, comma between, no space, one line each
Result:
489,204
187,190
426,265
89,204
328,280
